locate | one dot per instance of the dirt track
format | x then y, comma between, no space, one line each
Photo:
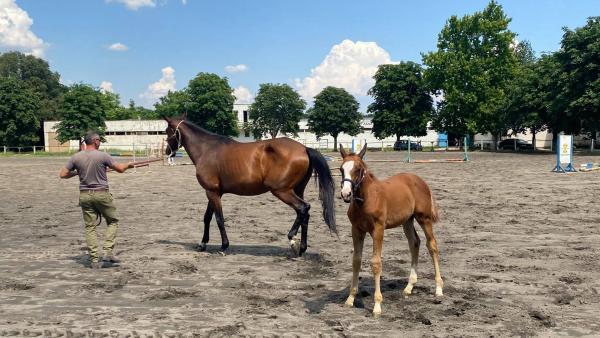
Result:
520,251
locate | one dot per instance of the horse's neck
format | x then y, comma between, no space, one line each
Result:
196,143
366,185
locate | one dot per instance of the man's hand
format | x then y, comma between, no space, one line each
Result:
65,173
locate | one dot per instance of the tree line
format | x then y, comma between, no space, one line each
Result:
481,79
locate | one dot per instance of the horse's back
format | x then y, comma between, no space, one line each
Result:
411,192
279,163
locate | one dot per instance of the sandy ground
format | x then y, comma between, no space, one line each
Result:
520,250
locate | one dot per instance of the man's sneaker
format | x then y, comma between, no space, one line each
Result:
96,265
110,258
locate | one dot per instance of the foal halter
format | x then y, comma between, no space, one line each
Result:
177,135
356,186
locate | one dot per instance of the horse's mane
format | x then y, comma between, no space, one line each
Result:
199,130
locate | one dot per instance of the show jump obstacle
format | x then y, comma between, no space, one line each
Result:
564,154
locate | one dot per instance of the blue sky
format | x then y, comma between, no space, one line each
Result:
142,48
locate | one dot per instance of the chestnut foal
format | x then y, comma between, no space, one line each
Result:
378,205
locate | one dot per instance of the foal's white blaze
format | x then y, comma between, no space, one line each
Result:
347,187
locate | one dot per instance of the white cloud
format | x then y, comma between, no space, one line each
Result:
135,4
160,88
236,69
15,30
243,95
184,2
106,87
349,65
118,47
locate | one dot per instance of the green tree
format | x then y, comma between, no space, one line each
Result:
19,105
277,108
335,111
471,68
37,76
82,109
524,108
141,113
175,103
211,104
402,104
113,108
579,59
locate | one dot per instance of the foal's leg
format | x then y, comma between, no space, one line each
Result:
413,244
358,239
214,198
377,235
435,256
207,218
290,198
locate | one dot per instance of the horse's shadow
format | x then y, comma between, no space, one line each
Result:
391,289
246,249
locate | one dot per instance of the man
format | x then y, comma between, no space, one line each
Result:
94,198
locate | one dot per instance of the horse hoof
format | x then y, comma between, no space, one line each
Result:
439,293
295,246
202,247
349,302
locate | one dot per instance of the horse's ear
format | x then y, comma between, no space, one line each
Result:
184,116
363,151
343,151
166,118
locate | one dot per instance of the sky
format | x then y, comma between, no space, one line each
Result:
141,49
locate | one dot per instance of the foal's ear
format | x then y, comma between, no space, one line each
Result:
343,151
363,150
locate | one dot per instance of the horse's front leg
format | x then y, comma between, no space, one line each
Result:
207,218
377,235
214,199
358,239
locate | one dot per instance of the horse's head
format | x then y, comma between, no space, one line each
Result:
353,172
173,135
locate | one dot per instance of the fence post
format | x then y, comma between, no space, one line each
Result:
592,145
4,150
34,150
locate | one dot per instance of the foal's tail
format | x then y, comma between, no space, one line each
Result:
326,186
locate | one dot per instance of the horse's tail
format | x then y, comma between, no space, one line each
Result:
318,163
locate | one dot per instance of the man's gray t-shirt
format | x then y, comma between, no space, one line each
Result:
91,167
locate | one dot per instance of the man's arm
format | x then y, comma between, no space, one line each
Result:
121,167
66,173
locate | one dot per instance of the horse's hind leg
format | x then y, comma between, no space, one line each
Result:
299,190
214,199
207,218
301,207
413,244
435,255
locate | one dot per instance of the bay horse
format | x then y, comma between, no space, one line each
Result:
281,166
376,206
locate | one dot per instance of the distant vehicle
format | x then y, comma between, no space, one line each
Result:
403,145
509,144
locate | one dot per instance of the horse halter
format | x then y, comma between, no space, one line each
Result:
177,135
356,186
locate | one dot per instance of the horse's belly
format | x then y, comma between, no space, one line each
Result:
245,189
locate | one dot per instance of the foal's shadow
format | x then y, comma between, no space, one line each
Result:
246,249
391,289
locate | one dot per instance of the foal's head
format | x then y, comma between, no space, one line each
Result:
173,135
353,171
